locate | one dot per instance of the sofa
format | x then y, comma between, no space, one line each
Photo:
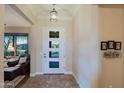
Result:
15,68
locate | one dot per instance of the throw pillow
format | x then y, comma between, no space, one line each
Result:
12,63
22,60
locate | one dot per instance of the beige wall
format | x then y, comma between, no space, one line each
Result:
86,62
17,29
112,28
36,44
2,8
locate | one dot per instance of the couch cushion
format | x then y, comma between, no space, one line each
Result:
11,72
10,69
13,63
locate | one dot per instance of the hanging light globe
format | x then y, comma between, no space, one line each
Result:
53,15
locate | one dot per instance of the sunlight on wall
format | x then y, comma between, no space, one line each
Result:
86,64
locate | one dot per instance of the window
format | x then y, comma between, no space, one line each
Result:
53,44
15,43
54,34
8,45
21,45
53,64
53,54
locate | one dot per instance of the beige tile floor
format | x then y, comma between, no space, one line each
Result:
51,81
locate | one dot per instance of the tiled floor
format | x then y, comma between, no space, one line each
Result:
51,81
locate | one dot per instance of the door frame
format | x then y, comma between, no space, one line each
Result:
64,48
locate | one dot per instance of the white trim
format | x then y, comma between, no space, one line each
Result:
39,73
80,85
32,74
69,72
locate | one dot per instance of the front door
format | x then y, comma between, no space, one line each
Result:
53,50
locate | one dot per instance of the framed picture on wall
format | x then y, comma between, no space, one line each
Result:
111,44
117,45
104,45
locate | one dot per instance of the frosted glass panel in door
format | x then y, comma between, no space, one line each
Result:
53,44
54,34
53,54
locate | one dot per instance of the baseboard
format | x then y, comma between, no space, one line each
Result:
32,74
68,73
80,85
38,73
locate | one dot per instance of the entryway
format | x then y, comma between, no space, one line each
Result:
53,50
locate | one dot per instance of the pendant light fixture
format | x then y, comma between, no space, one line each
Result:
53,14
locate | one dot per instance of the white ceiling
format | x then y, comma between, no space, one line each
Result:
12,18
40,11
65,11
